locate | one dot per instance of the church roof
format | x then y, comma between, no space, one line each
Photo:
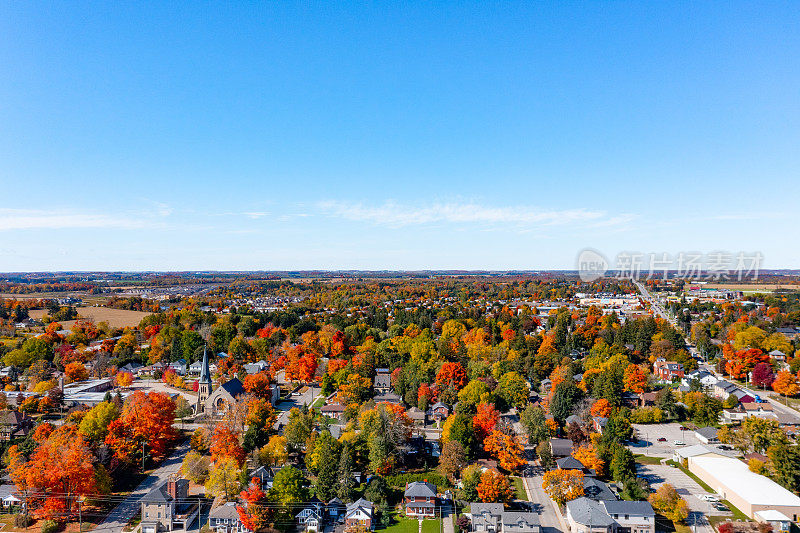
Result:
205,372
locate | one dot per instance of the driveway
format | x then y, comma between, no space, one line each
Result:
122,513
285,406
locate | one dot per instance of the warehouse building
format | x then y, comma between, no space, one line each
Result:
748,491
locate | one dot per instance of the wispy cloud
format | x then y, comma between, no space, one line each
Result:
399,215
23,219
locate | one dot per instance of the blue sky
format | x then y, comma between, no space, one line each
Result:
381,135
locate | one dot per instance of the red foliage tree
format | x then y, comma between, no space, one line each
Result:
485,420
225,443
258,385
451,375
763,375
146,419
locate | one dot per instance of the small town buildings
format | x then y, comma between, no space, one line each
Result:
333,410
748,491
570,463
167,506
216,402
382,382
706,435
225,519
417,416
560,447
14,424
744,410
255,368
359,514
667,370
439,412
312,515
335,510
585,515
493,518
420,500
780,522
597,490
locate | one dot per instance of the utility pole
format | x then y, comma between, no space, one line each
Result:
80,515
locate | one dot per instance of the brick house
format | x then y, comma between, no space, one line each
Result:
420,499
667,370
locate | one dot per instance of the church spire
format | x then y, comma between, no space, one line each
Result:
205,372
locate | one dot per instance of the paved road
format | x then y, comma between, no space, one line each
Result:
306,398
542,504
126,510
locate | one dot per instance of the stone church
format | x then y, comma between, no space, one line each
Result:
214,402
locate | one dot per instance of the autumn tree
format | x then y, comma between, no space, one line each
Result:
494,488
255,515
507,450
786,384
258,385
635,379
669,503
195,467
94,426
275,453
124,379
763,376
485,421
223,478
451,375
563,485
452,460
76,372
589,458
601,408
225,443
146,420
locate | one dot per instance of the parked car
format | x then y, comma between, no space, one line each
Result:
662,439
679,443
725,447
683,428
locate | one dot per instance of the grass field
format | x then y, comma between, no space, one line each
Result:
519,488
647,460
403,525
116,318
432,526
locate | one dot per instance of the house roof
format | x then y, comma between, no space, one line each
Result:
751,487
586,511
597,490
561,447
421,489
707,432
516,517
361,503
383,381
627,507
492,508
225,511
439,405
158,495
569,463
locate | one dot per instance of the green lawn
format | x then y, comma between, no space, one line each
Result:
403,525
647,459
432,526
519,487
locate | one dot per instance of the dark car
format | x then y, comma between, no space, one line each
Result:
662,439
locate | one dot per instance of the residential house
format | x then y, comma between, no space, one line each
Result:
439,412
706,379
706,435
570,463
333,410
382,382
334,510
389,397
178,366
790,333
255,368
419,499
744,410
14,424
312,515
585,515
667,370
493,518
417,416
225,519
723,388
560,447
597,490
167,506
359,514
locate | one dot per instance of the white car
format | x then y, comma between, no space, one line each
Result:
679,443
709,497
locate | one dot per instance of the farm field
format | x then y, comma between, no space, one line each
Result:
117,318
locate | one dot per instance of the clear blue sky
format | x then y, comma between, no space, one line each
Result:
392,135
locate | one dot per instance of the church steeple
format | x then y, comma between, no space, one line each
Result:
205,373
204,384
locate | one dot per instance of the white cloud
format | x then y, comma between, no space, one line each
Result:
398,215
23,219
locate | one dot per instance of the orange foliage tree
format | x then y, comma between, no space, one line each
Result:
60,470
587,455
258,385
739,363
485,420
76,372
225,443
255,516
124,379
494,488
451,375
563,485
506,449
786,384
635,379
601,408
147,420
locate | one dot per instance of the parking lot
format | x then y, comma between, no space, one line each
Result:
688,488
648,435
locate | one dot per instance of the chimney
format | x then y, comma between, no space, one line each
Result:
172,488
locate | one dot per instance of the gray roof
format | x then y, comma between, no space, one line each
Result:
597,490
225,511
158,495
360,503
420,504
421,489
515,517
383,381
619,507
234,387
492,508
585,511
569,463
561,447
707,432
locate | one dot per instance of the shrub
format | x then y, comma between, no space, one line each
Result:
400,480
49,526
725,527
